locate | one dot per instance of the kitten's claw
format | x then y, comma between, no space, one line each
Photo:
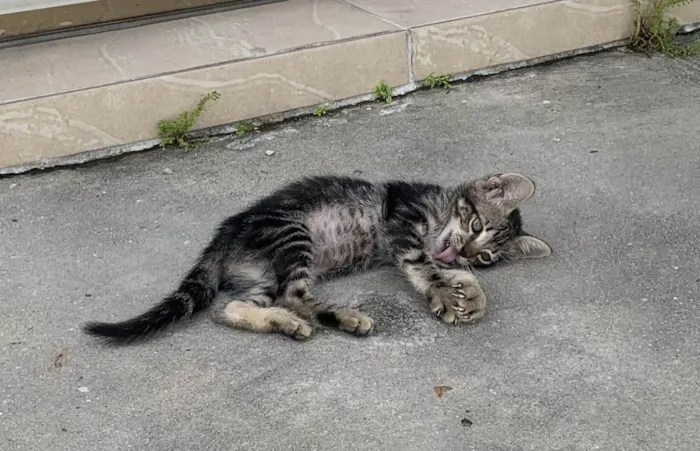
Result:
462,302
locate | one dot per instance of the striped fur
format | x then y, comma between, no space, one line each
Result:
267,258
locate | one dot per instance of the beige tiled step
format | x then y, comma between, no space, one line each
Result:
104,93
170,47
424,12
518,34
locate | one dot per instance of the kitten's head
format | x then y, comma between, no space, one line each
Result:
485,224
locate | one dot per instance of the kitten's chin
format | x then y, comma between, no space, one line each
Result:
448,255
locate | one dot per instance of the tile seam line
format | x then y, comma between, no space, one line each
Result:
383,19
410,28
409,36
409,54
208,66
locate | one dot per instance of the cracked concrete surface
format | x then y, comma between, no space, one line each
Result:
596,347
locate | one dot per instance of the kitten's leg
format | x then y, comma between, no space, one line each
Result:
454,297
345,319
292,264
248,316
255,312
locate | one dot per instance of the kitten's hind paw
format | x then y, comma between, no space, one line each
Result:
297,329
246,316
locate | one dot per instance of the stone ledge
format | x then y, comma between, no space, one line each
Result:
106,92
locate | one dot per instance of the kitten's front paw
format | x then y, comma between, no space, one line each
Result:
472,305
462,301
354,322
347,320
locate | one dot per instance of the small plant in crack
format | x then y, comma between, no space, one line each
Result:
383,92
176,131
243,129
438,81
321,110
656,31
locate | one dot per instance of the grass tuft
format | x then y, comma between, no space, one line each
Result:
438,81
321,110
382,91
656,31
176,131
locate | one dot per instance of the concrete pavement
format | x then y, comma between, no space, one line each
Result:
596,347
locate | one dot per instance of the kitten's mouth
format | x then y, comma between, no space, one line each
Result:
448,252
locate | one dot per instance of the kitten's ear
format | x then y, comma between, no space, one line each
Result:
526,246
507,191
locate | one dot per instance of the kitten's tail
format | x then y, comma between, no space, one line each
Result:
196,292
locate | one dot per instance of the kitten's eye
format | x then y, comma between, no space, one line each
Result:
485,257
476,225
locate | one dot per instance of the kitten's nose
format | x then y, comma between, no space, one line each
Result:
470,250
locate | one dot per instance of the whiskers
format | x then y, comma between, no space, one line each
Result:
474,270
508,255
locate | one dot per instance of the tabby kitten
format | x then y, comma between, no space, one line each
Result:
268,256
